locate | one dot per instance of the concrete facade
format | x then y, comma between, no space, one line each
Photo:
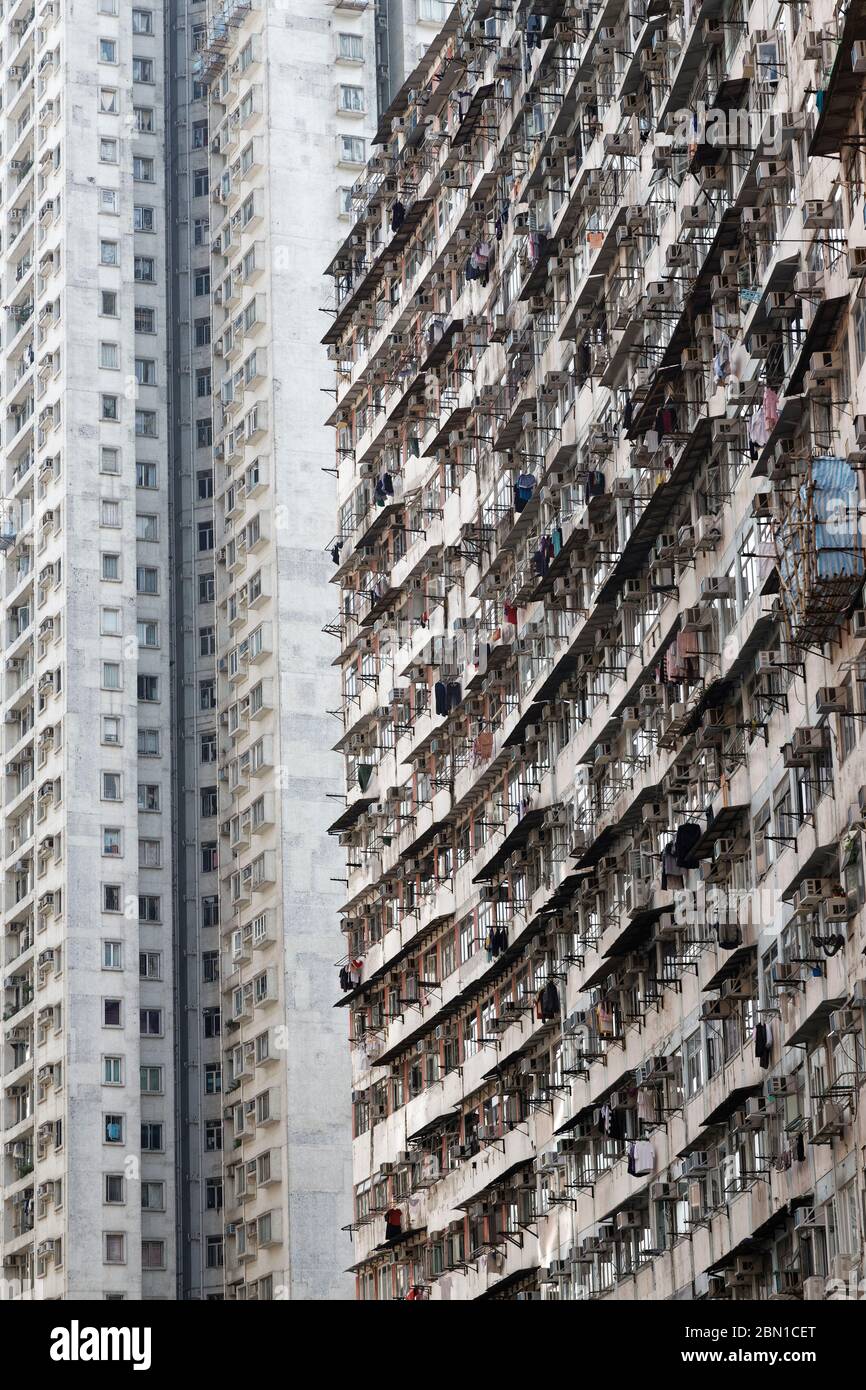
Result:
600,428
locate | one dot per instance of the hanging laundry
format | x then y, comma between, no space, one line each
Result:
547,1002
398,216
335,551
365,772
393,1224
685,839
482,748
642,1158
672,873
454,694
763,1043
440,697
510,611
722,359
523,490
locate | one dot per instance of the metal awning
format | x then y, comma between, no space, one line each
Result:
727,819
474,112
819,336
517,837
350,815
733,1101
839,99
821,861
816,1024
731,967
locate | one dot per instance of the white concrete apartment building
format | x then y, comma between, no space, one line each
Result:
601,430
88,1180
293,108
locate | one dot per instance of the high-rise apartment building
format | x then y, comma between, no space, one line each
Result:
600,353
88,1126
174,1109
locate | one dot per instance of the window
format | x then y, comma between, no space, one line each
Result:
106,7
203,434
149,907
206,641
148,742
351,98
145,319
113,1191
111,897
352,149
145,475
148,688
109,460
151,1138
108,101
142,21
211,1020
200,231
350,47
199,183
110,513
147,579
111,1013
110,408
150,1023
149,854
206,588
108,301
111,675
207,694
150,965
204,479
199,135
112,955
345,196
210,962
142,169
205,536
113,1129
209,861
153,1196
147,526
144,269
109,357
107,51
112,840
210,910
111,786
110,566
207,748
143,219
213,1079
202,382
208,798
109,253
153,1254
114,1248
142,70
112,1071
213,1136
108,200
144,124
150,1081
145,424
112,728
214,1252
148,633
213,1194
202,332
201,282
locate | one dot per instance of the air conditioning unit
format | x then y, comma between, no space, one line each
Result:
631,1220
844,1021
695,215
817,213
715,588
772,173
833,699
